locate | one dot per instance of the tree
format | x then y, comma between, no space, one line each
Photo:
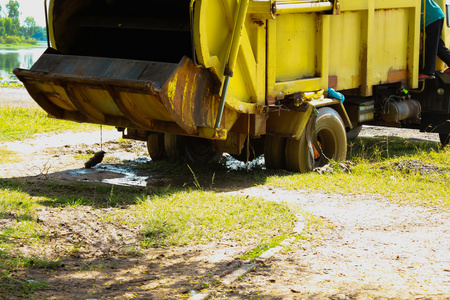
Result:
13,9
2,27
8,26
30,27
12,32
13,13
40,34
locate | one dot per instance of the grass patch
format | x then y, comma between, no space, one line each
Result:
171,218
7,156
17,209
17,123
194,217
10,84
315,229
263,247
22,288
376,171
18,203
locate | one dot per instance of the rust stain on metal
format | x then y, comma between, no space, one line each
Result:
189,98
397,76
333,81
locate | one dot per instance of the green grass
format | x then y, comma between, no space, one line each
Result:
7,156
19,203
19,287
19,123
376,171
19,46
11,84
19,207
263,247
171,217
194,217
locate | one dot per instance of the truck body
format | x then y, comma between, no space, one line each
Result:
201,77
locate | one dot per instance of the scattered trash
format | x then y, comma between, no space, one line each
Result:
335,167
416,166
333,94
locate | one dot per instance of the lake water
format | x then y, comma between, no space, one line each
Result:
18,58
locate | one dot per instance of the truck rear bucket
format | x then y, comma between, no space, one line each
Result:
154,96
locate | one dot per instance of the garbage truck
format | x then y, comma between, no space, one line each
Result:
290,79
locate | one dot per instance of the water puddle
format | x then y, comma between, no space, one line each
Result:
134,173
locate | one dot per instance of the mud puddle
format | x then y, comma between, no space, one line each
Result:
115,174
61,157
138,173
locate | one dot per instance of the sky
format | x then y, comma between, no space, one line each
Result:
29,8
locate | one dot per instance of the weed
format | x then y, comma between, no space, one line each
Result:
196,183
24,288
112,200
40,263
132,250
91,267
205,285
263,247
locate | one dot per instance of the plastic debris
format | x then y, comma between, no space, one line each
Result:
333,94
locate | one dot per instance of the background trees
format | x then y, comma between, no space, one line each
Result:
12,32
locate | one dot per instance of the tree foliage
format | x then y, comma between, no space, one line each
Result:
12,32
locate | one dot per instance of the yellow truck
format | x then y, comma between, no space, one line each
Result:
248,77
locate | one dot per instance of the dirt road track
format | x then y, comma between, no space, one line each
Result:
375,249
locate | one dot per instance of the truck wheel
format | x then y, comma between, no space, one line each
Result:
256,149
199,150
155,146
445,138
299,156
353,133
274,152
173,145
331,136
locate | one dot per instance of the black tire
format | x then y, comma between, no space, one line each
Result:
445,138
353,133
199,150
173,145
155,146
255,150
299,155
274,152
331,137
191,149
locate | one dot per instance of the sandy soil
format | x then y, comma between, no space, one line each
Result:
375,249
371,249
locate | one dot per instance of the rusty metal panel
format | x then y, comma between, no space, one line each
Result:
147,95
191,97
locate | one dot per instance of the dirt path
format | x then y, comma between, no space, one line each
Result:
375,249
16,97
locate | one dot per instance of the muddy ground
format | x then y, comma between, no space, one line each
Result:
371,248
